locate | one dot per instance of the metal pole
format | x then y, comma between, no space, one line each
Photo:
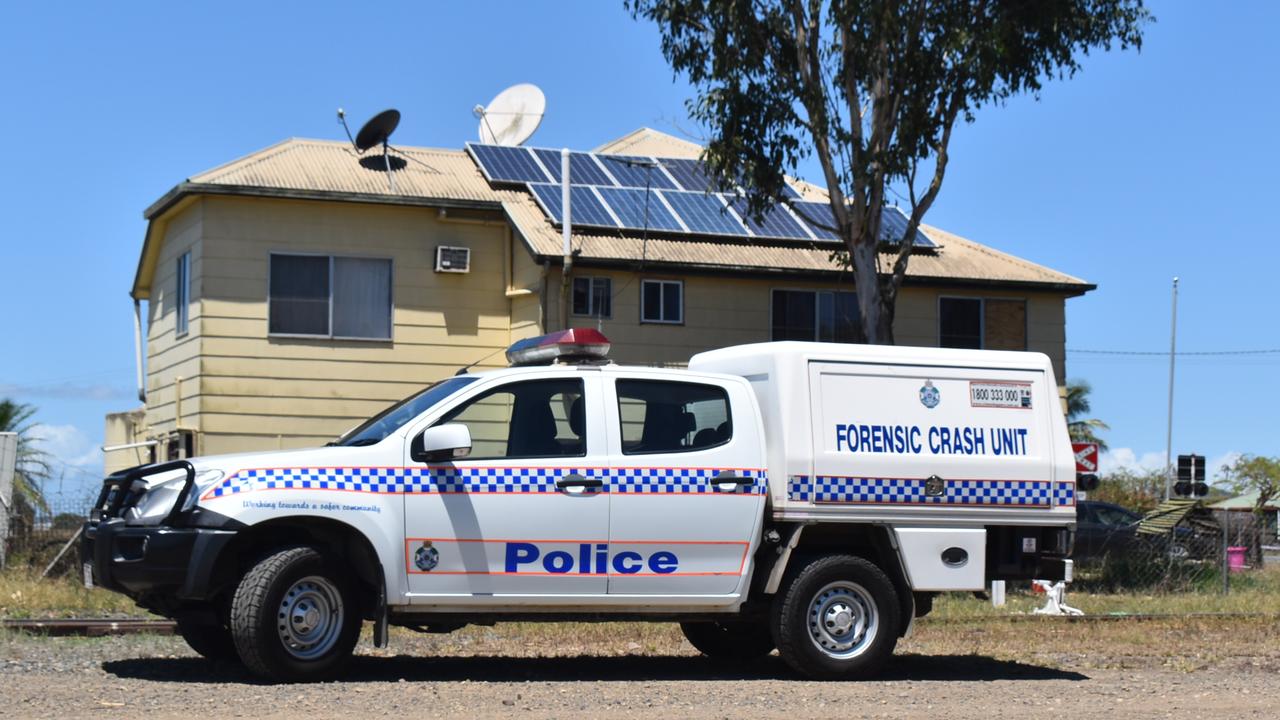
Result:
566,231
1226,565
1168,438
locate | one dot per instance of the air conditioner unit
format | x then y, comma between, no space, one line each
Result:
453,259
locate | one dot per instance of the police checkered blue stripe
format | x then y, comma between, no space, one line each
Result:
682,481
1064,493
894,491
485,480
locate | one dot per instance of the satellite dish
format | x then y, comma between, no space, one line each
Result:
512,116
374,133
377,130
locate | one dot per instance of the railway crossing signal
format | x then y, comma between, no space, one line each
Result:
1190,477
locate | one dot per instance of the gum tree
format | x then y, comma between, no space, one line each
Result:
872,89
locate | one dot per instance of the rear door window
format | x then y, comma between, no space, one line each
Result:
659,416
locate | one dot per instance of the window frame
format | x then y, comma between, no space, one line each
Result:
644,283
982,318
333,257
817,309
591,280
617,402
182,320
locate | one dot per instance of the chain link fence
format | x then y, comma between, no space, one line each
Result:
40,535
1181,546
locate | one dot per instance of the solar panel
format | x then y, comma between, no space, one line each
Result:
586,210
503,164
819,218
777,222
690,174
582,169
703,213
893,223
629,205
630,171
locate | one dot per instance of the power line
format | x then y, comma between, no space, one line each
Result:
1275,351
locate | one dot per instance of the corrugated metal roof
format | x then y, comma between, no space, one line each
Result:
321,168
320,165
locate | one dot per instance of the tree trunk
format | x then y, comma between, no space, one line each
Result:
867,285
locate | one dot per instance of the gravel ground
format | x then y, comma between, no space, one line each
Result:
1203,668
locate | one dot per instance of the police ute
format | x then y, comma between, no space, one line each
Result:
811,498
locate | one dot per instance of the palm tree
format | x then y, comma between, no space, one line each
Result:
1079,427
32,467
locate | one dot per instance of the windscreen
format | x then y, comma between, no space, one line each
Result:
378,427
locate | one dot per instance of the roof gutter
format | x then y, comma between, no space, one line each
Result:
1071,289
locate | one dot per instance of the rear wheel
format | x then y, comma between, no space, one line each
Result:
728,640
293,617
211,640
837,619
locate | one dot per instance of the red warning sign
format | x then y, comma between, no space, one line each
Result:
1086,457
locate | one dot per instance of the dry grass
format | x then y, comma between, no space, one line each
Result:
1253,592
24,594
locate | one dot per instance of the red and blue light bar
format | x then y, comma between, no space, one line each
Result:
574,344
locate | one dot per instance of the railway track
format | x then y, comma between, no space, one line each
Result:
89,627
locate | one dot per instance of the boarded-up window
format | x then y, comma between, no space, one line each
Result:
1005,324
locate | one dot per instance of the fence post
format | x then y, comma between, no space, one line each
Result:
8,466
1226,563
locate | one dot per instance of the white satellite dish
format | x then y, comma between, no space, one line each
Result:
512,116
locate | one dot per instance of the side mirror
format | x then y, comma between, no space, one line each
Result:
441,443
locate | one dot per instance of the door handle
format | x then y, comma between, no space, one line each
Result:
575,480
726,478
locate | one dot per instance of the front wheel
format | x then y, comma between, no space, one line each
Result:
211,640
729,640
293,617
837,619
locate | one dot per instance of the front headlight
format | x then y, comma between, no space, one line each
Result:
162,492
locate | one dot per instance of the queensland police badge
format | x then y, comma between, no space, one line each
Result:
929,395
426,557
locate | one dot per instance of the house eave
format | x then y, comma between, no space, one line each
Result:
183,191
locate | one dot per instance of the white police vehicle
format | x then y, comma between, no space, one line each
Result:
807,497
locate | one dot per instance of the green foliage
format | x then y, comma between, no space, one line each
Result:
872,88
1140,492
32,467
1080,427
1255,473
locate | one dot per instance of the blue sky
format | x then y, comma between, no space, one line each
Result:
1145,166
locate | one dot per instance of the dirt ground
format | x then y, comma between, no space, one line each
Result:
1129,668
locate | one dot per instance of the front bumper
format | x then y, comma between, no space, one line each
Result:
147,560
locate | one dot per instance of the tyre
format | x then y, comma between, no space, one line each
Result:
211,640
837,619
730,640
294,617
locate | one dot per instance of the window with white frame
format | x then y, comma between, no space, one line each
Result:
593,297
814,315
182,298
330,296
662,301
